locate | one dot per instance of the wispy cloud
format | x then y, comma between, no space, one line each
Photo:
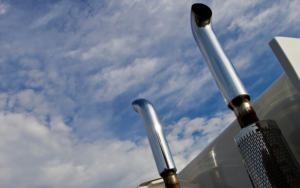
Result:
188,137
119,80
3,8
54,157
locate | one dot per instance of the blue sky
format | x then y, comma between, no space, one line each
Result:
69,71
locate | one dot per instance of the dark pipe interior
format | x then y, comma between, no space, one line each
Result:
202,11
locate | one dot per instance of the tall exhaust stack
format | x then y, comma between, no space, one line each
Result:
158,142
266,155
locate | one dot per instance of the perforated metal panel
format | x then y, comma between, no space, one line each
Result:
267,157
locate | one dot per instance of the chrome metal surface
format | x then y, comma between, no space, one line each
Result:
217,61
243,110
267,156
159,146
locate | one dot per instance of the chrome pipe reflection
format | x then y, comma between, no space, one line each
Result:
231,87
159,146
217,61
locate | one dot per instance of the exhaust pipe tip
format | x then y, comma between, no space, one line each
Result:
202,14
140,103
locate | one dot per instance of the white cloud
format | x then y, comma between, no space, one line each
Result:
188,137
44,20
112,49
119,80
3,8
53,157
259,18
29,101
3,100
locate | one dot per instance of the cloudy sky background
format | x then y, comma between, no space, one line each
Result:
69,71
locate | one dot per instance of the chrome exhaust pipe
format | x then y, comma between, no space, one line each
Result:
267,158
158,142
230,85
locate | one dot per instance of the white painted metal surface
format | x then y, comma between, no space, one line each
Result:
287,51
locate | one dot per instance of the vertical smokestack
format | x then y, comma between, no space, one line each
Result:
268,159
157,140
